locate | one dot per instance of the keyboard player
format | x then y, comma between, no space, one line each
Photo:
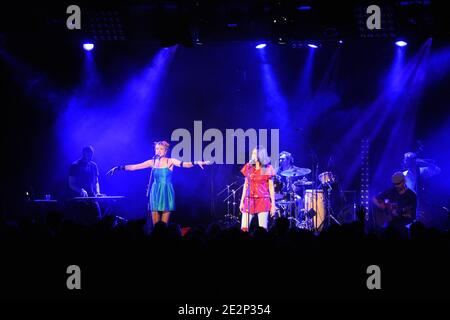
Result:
83,182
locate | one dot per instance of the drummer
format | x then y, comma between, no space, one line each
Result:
285,190
287,175
286,162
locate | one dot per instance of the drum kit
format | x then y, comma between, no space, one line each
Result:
306,204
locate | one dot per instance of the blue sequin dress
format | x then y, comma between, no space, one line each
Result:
162,194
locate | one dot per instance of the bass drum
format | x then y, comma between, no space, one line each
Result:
315,207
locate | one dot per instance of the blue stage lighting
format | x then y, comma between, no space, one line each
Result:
261,46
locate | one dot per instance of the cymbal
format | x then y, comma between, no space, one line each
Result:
303,183
284,202
295,172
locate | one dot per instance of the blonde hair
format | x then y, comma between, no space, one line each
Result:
163,143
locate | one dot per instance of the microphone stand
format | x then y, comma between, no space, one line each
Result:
248,196
151,174
329,208
315,192
228,199
155,157
234,200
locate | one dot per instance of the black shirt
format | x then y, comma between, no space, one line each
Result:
85,175
406,203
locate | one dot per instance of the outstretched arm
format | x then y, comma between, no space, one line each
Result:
131,167
429,169
139,166
189,164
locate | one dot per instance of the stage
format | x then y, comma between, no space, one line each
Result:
275,137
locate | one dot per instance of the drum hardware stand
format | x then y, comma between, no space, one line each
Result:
289,199
329,208
227,199
305,222
292,209
292,204
292,195
294,222
231,218
308,217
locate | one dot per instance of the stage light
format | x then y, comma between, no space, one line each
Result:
401,43
304,8
88,46
281,40
198,42
261,46
314,46
341,42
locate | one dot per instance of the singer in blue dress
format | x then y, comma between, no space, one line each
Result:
162,194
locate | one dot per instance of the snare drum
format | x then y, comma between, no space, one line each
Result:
314,199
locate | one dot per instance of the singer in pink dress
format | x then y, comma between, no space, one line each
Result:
258,195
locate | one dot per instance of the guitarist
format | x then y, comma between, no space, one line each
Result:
397,205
